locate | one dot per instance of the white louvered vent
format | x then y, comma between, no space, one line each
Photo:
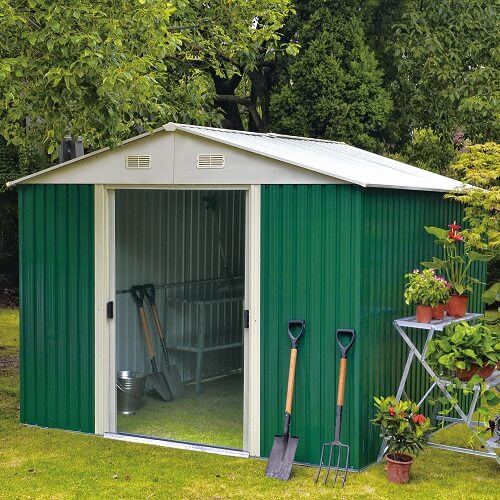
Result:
138,161
210,161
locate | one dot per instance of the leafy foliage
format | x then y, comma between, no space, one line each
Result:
236,42
429,151
457,261
332,89
107,69
479,167
404,428
426,288
448,67
461,345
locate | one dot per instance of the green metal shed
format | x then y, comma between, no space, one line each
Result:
326,233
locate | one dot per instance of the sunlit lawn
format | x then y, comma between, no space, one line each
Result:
41,463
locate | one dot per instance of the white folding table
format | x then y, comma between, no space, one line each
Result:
406,325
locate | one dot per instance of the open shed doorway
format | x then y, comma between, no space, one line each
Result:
190,246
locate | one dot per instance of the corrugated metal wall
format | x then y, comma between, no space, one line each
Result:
56,239
336,256
165,237
394,242
310,270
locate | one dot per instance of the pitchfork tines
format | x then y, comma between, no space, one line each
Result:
328,465
336,444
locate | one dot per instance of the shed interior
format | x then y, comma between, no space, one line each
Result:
190,245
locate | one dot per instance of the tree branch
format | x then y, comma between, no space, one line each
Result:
247,102
244,101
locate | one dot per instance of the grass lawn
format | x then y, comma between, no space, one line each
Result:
213,417
42,463
9,332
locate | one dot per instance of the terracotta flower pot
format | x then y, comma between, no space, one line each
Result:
457,306
423,314
438,311
398,467
483,371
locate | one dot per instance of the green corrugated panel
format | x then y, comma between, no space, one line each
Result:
56,236
336,256
394,242
310,271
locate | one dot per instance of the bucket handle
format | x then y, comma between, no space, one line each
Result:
128,393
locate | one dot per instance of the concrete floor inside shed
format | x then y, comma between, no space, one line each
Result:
213,417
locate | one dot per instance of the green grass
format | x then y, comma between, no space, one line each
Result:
9,331
42,463
213,417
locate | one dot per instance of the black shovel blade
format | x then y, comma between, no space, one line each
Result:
281,457
174,381
160,384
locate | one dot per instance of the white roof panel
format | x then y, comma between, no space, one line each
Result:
333,159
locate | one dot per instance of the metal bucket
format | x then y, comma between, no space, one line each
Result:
129,391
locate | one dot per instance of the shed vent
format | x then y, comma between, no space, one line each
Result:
210,161
138,161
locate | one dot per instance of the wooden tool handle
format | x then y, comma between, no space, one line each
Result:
291,381
341,387
156,319
147,334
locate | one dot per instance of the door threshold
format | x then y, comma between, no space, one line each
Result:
180,445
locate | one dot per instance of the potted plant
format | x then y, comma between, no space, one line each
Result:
456,265
426,290
405,430
465,350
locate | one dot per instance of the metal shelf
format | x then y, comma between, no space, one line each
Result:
200,348
403,326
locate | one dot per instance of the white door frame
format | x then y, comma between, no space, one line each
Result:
105,329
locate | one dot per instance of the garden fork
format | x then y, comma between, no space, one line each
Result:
337,444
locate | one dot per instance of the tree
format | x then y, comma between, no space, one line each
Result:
448,68
107,69
479,166
332,89
429,151
236,43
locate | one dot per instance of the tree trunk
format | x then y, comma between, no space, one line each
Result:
223,87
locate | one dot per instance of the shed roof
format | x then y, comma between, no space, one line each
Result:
332,159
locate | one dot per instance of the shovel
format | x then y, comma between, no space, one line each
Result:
170,371
337,444
284,447
158,379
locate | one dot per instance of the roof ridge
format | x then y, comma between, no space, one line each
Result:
259,134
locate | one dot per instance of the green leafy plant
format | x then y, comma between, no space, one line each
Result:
402,426
426,288
461,345
457,261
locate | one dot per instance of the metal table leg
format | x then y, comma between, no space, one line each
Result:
442,385
200,346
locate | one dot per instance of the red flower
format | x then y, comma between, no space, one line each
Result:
392,411
455,235
419,419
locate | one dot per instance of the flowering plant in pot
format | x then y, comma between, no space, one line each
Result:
426,290
465,350
456,265
405,431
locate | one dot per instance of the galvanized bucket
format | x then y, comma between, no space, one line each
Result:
129,391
